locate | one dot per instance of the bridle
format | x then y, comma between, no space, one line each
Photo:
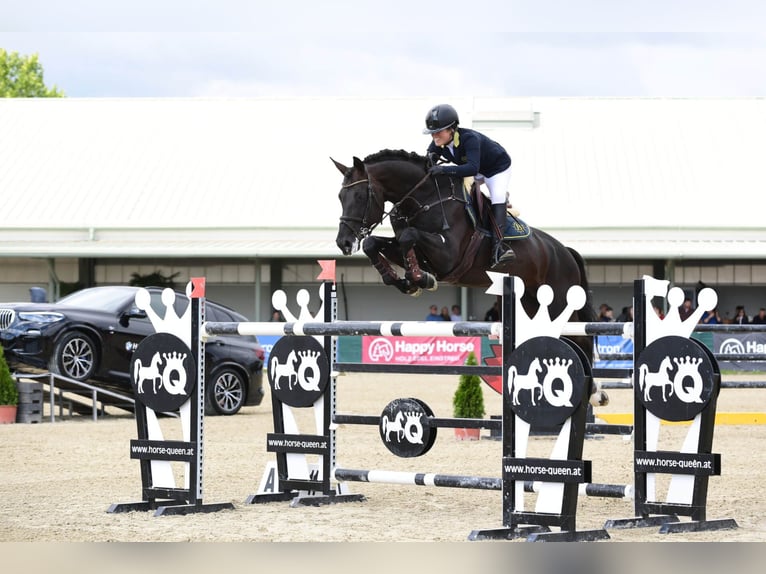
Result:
366,228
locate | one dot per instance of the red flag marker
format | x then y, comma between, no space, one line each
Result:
328,270
198,287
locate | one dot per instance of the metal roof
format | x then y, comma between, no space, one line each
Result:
614,178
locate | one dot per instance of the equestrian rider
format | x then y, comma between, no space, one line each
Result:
475,154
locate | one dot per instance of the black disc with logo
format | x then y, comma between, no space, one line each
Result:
298,370
546,381
163,372
404,428
674,378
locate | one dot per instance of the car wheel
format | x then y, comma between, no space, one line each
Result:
226,391
75,357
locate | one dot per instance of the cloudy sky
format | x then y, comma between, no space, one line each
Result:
393,48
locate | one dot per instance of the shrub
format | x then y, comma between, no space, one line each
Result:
9,395
468,402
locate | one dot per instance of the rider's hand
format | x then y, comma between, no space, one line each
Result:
433,158
436,169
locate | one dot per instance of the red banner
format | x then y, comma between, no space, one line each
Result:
419,350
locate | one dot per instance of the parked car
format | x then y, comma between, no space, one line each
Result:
91,335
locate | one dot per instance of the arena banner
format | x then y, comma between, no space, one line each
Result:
613,345
738,344
419,350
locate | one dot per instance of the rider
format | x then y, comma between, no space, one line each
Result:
475,154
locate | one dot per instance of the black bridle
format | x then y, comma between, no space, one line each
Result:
366,228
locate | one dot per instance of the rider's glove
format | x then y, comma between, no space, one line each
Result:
434,157
436,169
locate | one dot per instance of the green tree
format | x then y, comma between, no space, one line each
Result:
22,77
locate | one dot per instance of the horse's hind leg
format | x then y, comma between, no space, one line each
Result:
380,250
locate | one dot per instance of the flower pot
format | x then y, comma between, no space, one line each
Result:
7,414
467,434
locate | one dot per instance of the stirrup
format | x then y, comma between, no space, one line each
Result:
503,259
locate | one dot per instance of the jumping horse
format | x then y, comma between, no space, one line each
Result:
436,239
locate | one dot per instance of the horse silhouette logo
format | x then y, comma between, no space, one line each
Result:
163,372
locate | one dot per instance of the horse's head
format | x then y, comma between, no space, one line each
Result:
362,210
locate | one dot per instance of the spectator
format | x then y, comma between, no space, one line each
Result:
605,313
433,314
445,314
455,314
657,310
711,317
277,317
493,314
760,318
686,309
740,317
626,315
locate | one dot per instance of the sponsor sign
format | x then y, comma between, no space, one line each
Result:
739,344
613,345
419,350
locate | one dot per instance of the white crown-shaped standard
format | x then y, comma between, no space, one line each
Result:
169,322
279,302
542,324
672,324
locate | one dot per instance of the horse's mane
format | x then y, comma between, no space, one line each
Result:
395,154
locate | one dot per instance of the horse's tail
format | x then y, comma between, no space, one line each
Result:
588,312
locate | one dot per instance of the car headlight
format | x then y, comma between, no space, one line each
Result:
40,316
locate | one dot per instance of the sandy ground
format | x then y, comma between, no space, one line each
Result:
57,480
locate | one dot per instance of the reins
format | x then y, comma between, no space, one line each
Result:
366,230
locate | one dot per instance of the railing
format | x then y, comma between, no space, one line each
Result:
80,389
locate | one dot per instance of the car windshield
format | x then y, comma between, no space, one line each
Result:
113,299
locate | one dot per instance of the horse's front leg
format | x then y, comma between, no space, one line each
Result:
381,250
413,269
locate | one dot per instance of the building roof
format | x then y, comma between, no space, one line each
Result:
614,178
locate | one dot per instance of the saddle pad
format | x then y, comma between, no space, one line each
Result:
515,228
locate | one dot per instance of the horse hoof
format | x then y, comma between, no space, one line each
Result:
599,399
433,286
416,293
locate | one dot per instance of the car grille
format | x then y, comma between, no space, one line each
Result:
6,318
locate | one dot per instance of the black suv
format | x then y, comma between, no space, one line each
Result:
91,335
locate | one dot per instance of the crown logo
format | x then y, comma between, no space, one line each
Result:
672,324
542,324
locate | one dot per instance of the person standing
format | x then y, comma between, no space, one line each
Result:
455,314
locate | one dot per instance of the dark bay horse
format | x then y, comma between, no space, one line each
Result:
436,240
433,233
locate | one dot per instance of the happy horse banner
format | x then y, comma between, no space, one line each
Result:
419,350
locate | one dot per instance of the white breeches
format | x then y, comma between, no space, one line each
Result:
498,186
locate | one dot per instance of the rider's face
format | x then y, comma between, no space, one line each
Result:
443,137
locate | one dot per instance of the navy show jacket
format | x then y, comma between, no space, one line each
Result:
475,153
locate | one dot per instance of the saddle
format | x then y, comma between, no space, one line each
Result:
480,212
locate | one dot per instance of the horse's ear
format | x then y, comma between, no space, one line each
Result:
341,168
359,164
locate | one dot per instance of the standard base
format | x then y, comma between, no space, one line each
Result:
699,526
168,507
640,522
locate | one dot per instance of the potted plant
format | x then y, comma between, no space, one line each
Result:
468,402
9,395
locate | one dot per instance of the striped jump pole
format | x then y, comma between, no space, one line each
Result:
397,328
472,482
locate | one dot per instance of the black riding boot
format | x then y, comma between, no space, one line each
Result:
501,253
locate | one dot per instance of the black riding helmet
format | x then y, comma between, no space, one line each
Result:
440,117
